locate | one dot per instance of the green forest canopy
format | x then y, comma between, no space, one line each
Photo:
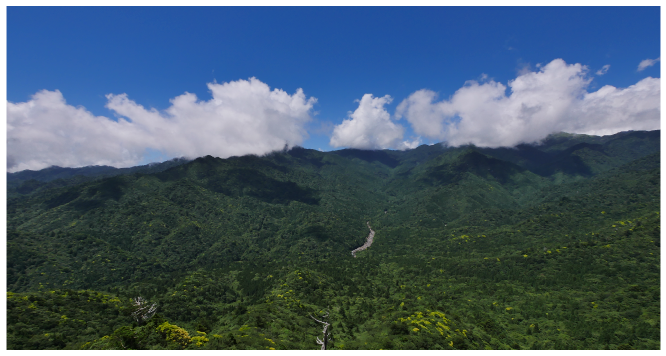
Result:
549,246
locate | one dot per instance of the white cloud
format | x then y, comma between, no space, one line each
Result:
647,63
552,99
370,127
603,69
610,110
243,117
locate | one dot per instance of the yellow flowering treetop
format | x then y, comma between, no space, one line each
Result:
432,322
175,333
201,339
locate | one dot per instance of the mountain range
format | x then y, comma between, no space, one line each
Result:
552,245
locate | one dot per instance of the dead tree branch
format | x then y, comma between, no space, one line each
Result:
142,309
327,336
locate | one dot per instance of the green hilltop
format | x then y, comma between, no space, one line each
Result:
547,246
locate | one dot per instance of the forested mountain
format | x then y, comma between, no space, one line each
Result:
27,182
549,246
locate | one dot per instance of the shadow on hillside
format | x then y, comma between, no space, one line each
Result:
569,162
108,189
475,163
369,156
303,155
239,182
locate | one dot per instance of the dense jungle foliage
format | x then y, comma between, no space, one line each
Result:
549,246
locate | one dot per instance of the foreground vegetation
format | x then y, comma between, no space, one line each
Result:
553,246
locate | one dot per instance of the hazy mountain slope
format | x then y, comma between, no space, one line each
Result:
580,155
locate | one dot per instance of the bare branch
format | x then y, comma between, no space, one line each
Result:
327,336
317,320
142,310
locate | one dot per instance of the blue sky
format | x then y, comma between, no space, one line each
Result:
336,55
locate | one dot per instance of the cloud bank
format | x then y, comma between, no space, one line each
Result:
647,63
248,117
242,117
370,127
552,99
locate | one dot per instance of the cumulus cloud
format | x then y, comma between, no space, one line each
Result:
603,69
370,127
610,110
552,99
647,63
242,117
